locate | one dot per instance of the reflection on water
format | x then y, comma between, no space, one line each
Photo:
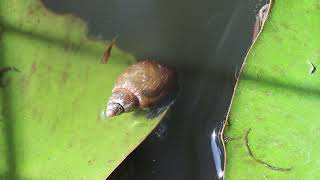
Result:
206,41
217,152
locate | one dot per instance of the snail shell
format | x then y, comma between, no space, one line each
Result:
141,86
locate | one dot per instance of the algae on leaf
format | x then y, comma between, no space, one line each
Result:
278,98
50,122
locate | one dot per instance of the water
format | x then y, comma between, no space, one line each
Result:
218,152
206,41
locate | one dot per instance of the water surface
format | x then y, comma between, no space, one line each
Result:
206,41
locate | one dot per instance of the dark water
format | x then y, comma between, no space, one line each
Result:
206,41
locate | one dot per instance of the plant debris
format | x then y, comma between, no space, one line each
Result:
261,17
258,160
107,53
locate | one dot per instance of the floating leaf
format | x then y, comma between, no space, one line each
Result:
278,98
50,125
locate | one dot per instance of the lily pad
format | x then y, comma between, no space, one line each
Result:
50,121
277,97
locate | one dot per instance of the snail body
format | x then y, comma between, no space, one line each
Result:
141,86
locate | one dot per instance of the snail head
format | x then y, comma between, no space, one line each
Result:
114,109
121,101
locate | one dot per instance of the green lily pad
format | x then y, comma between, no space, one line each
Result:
277,96
50,124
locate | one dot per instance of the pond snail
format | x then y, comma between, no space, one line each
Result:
141,86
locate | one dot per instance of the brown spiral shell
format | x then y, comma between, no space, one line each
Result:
142,85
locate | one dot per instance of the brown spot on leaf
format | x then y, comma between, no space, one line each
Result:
49,68
110,161
25,81
33,67
90,162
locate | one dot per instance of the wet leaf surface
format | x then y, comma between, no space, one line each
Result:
50,124
278,98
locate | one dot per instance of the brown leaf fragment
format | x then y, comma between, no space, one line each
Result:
107,53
